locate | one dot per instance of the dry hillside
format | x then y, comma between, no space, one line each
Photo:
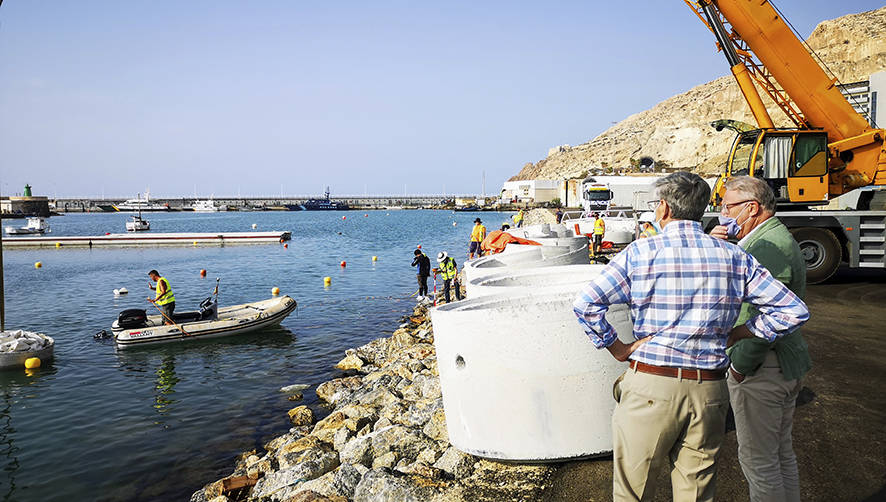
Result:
676,130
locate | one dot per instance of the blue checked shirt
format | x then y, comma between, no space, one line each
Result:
685,289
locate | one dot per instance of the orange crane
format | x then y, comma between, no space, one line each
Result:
831,149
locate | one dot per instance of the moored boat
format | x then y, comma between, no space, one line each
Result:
135,328
138,224
35,225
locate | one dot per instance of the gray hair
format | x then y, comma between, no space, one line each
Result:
754,189
687,195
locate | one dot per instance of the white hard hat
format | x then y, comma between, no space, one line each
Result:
441,256
647,217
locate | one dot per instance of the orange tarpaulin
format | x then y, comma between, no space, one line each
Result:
497,240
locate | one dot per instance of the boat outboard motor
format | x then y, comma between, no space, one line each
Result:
208,310
132,318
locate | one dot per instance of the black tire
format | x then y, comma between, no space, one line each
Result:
822,251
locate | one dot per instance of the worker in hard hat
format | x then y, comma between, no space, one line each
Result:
449,271
518,218
599,230
646,224
478,233
164,299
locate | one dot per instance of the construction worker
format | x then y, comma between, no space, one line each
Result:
449,271
646,224
518,218
164,299
599,230
478,233
423,263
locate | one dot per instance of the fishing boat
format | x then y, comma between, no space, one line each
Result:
35,225
134,327
138,224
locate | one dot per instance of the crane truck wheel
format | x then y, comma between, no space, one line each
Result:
821,250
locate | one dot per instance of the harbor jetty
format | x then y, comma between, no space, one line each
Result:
152,239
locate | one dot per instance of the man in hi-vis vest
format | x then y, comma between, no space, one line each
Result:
449,270
164,299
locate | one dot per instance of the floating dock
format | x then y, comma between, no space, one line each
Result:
147,239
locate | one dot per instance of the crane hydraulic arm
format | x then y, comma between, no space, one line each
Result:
801,164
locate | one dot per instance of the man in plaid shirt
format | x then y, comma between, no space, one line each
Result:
685,290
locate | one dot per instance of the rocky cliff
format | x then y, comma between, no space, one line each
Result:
677,130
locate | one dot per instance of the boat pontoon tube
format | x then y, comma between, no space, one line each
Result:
520,379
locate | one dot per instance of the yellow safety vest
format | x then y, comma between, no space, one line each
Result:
599,227
448,268
518,217
478,233
648,232
167,297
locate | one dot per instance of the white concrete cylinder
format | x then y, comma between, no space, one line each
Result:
529,280
526,256
520,379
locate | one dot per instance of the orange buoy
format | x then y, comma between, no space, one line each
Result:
343,263
419,246
202,272
344,217
366,216
285,246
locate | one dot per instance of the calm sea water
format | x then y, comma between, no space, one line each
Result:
158,423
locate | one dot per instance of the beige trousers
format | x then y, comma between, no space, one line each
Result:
663,421
764,413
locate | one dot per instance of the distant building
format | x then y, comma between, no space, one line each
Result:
529,191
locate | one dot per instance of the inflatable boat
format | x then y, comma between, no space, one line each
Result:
134,327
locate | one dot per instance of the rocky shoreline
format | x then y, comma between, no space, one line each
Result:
385,438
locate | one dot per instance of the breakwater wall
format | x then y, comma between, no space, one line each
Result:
385,438
363,202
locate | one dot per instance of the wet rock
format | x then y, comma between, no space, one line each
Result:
378,485
435,428
291,389
340,389
301,415
350,362
455,463
295,396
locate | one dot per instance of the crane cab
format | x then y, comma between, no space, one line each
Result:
793,162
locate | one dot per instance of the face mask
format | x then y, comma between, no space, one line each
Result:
732,226
657,226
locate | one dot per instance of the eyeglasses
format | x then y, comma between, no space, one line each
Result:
653,204
728,207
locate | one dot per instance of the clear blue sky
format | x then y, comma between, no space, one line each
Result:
254,97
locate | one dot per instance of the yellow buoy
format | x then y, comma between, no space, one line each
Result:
58,244
195,243
32,362
375,258
39,264
275,291
327,281
253,226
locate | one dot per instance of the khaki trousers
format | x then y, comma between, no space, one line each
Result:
663,421
764,406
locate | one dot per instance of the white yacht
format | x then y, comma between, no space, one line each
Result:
207,206
139,204
138,224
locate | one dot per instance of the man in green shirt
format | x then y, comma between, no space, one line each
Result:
764,379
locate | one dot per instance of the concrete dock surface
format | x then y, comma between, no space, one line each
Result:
839,437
